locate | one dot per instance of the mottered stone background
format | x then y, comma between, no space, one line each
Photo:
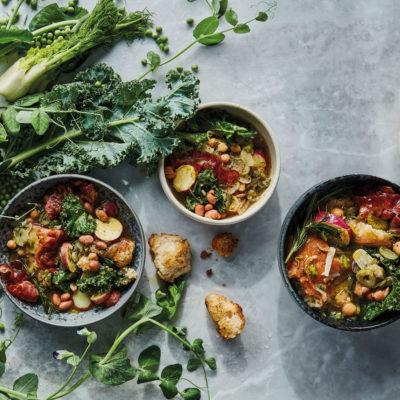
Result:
325,75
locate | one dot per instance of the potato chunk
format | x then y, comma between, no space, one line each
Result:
227,315
171,255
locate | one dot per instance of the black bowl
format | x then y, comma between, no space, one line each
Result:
34,193
296,213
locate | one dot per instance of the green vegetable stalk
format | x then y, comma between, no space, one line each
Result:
104,25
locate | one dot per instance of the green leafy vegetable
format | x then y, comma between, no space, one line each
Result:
169,297
76,221
27,384
170,376
104,25
100,126
62,280
115,371
149,361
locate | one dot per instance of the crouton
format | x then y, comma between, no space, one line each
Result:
224,244
227,315
171,255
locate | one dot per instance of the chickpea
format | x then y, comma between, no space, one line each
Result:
101,215
213,214
34,214
208,207
225,158
86,240
65,296
396,248
199,210
65,305
11,244
242,187
342,298
21,252
211,198
222,147
88,208
169,172
349,309
92,256
29,220
101,245
73,287
55,299
94,265
338,212
236,148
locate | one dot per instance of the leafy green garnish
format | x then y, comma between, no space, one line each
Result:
168,297
205,182
75,220
62,280
106,278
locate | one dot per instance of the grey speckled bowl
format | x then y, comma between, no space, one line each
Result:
34,193
296,215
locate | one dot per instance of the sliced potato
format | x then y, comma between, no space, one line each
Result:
185,178
108,231
81,301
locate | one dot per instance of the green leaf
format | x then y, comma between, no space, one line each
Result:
24,117
10,121
2,368
169,296
40,121
15,35
29,100
231,17
149,359
147,376
198,348
170,376
154,58
115,371
220,7
211,362
191,394
141,308
69,356
3,134
193,364
262,16
172,373
53,13
206,27
241,28
214,39
26,384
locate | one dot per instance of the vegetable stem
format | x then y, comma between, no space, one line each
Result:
54,26
185,342
11,20
121,337
191,45
14,393
73,387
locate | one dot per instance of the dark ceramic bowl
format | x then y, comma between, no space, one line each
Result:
296,215
34,193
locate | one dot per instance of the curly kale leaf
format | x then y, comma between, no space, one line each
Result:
75,220
105,279
62,280
99,121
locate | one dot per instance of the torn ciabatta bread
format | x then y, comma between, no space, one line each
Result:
227,315
171,255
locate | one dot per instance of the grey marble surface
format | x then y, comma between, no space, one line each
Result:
325,75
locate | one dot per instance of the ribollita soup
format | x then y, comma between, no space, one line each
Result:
344,258
222,168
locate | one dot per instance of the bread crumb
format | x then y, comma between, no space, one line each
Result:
225,243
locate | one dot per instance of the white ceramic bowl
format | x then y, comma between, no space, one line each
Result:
254,120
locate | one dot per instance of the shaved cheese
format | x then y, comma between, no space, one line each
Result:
328,262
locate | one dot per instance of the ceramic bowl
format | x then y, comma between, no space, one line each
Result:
296,215
34,193
257,123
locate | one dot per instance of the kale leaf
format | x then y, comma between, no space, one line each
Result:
105,279
76,221
205,182
62,280
99,121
